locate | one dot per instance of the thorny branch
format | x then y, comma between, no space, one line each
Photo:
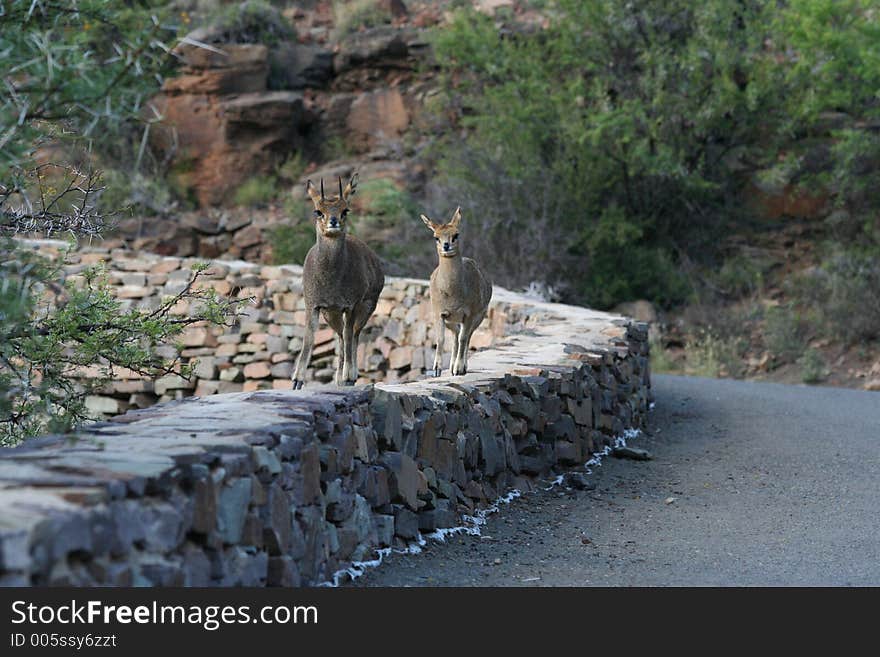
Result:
71,209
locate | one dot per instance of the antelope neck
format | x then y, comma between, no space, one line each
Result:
450,267
332,250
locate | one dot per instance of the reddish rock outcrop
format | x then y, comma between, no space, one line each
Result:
375,117
222,126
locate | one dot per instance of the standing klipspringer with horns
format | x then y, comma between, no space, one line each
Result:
342,280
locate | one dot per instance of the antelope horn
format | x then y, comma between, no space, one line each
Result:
340,186
322,189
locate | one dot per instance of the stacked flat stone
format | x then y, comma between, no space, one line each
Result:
286,488
258,351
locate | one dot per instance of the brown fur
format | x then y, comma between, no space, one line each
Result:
460,294
342,280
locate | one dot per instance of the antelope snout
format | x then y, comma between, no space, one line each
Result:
334,222
446,246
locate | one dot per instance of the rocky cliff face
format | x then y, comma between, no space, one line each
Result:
237,110
333,101
222,124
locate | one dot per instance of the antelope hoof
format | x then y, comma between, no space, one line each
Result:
435,371
347,383
298,384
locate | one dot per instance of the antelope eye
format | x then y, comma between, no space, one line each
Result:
318,214
455,237
344,213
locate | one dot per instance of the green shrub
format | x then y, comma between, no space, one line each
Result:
738,276
845,291
52,329
335,148
91,69
812,366
387,219
292,240
143,194
350,15
785,333
661,362
258,190
615,145
252,21
292,169
383,204
709,355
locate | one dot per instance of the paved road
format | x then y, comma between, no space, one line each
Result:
770,485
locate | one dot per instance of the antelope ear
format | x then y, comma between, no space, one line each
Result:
456,218
313,192
350,188
428,222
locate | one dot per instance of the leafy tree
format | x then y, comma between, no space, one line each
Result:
609,151
73,72
60,342
76,69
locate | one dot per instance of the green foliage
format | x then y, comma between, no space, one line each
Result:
785,333
150,195
50,332
739,276
252,21
335,148
812,366
258,190
292,169
845,293
383,208
710,355
76,72
79,71
602,149
832,51
661,362
350,15
291,241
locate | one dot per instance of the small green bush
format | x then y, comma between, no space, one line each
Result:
148,195
661,362
739,276
812,366
335,148
258,190
252,21
384,204
292,169
785,333
712,356
292,240
350,15
845,291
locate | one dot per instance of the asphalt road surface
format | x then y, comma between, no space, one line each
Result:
750,484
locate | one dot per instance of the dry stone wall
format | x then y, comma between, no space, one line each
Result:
258,352
285,488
